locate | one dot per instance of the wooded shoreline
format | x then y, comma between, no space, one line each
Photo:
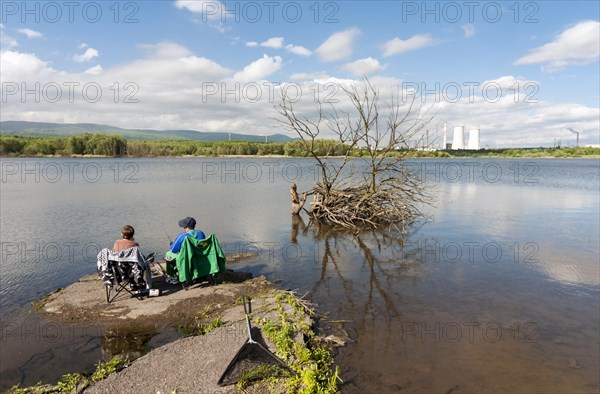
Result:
99,145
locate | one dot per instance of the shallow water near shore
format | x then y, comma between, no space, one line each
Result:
497,292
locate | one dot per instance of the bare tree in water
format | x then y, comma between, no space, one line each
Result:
377,189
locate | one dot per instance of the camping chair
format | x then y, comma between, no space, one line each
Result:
127,270
198,259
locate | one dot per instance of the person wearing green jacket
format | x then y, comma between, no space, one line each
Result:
189,230
200,258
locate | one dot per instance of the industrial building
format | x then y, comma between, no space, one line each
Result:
458,138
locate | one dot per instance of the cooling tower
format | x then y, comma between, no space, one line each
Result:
473,139
458,141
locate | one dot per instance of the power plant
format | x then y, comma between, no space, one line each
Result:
473,139
458,139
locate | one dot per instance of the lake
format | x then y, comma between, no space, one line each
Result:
497,291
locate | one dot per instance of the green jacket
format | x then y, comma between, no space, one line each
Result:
199,258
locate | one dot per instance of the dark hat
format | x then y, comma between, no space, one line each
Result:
187,222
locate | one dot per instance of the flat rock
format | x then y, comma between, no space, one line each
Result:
192,364
84,302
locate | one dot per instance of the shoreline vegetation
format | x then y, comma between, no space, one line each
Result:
102,145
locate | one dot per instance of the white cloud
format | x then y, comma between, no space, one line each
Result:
210,9
220,27
96,70
273,42
31,33
165,49
259,69
508,83
171,89
338,46
364,67
213,13
397,45
469,31
18,66
298,50
88,55
309,76
277,43
577,45
7,41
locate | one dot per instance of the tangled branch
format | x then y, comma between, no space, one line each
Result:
387,194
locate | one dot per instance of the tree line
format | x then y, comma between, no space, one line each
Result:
115,146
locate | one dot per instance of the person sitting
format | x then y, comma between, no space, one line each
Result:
189,230
126,251
126,240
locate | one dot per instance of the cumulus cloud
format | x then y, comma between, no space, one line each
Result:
165,49
17,66
577,45
298,50
273,42
396,45
88,55
309,76
170,82
213,13
168,90
31,33
468,30
338,46
96,70
211,9
278,43
364,67
7,41
259,69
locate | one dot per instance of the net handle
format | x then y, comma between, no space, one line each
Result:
250,340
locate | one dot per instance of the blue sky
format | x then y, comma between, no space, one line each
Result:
540,57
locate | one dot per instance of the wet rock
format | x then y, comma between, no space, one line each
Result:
335,341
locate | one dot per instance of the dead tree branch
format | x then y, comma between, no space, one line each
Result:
377,189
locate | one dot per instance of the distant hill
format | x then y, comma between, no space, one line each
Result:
40,129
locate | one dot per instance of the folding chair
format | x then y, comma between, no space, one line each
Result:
120,273
198,259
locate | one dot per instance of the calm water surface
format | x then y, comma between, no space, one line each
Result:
497,292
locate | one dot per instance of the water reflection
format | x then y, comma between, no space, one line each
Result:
419,312
374,260
420,320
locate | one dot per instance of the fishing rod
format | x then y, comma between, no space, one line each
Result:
162,224
167,234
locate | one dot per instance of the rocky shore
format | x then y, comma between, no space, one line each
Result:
213,320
